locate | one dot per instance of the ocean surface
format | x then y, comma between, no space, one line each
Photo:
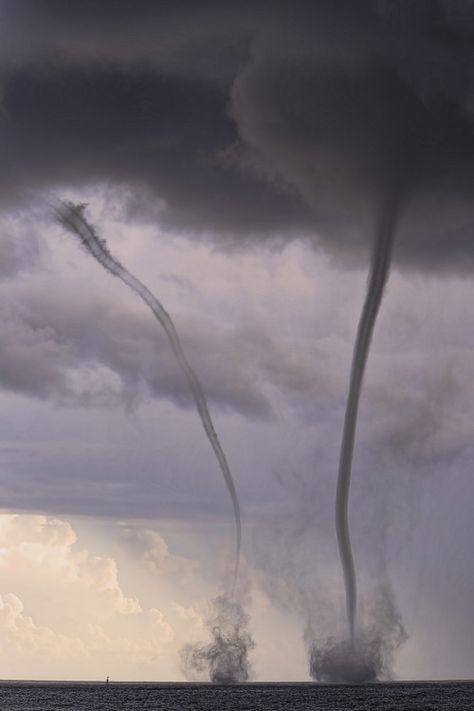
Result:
58,696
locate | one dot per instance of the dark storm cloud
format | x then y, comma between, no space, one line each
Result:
78,346
76,125
237,121
352,108
175,37
93,352
136,98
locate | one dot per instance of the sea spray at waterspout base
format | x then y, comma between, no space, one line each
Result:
225,659
72,218
367,657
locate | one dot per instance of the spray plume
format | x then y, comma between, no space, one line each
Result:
72,218
225,659
368,655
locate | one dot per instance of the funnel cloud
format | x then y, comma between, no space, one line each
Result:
71,217
364,144
379,272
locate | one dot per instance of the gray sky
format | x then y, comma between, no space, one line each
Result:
234,161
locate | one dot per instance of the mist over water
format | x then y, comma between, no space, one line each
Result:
366,657
225,659
72,218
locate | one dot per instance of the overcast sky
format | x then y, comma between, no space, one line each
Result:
236,160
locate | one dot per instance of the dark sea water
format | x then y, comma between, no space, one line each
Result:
31,696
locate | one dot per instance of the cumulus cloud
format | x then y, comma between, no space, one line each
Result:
24,642
43,547
62,609
153,552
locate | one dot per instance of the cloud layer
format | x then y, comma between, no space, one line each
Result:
211,126
243,124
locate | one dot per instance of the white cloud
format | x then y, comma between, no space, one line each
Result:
41,546
63,610
153,552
